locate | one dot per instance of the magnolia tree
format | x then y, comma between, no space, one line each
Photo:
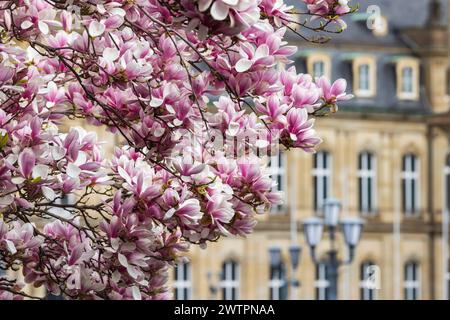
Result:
199,92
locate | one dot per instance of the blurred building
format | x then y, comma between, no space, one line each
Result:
385,156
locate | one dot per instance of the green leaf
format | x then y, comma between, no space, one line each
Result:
4,140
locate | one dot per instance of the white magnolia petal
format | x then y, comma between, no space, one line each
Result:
43,27
111,54
219,11
156,102
11,247
136,293
18,180
40,171
73,170
96,29
243,65
26,24
48,193
123,260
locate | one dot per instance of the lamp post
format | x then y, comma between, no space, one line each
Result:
294,257
351,228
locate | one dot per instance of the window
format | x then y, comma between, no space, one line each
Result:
322,284
277,169
50,296
447,279
278,284
318,69
366,291
229,283
364,76
407,70
321,179
183,284
412,281
407,80
447,182
410,185
67,199
319,64
367,183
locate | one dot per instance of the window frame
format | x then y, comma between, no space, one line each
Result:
410,185
184,285
365,292
321,58
358,62
321,282
277,166
278,286
322,178
230,286
412,287
447,182
367,177
414,65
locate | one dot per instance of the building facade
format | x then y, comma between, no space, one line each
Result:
385,156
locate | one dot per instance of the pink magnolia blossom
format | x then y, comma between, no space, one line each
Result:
193,90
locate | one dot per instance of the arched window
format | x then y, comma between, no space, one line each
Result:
367,183
321,178
367,290
183,281
229,283
412,285
277,169
410,185
322,282
278,283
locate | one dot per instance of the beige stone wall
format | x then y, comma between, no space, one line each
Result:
389,139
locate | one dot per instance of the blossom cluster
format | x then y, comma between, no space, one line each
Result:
88,226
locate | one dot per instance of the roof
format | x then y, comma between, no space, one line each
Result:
358,36
398,13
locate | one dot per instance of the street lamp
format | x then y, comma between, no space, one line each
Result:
351,229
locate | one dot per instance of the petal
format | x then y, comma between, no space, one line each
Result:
40,171
243,65
73,170
27,159
338,87
203,5
43,27
136,293
219,11
262,51
111,54
26,24
96,29
48,193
